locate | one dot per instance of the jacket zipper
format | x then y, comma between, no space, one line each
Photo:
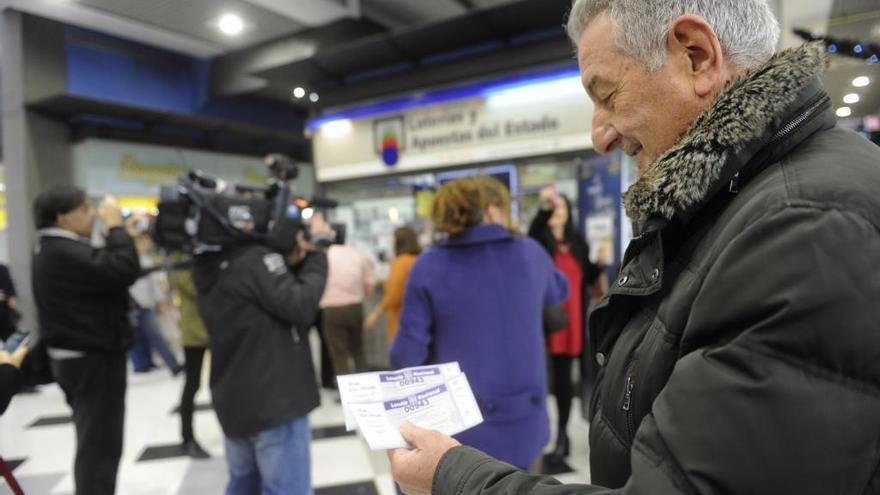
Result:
629,398
295,334
821,102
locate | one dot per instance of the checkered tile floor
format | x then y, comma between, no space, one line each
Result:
37,440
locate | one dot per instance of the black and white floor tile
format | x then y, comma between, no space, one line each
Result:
37,441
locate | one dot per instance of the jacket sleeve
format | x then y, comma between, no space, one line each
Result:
290,296
393,297
10,383
467,471
412,343
774,374
115,265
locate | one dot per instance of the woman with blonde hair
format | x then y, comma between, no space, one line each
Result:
476,297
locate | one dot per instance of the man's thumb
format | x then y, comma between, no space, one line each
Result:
411,433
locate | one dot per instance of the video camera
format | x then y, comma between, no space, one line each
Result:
203,214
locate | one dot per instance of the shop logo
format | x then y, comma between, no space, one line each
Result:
389,139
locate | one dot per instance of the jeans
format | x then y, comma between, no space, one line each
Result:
272,462
94,386
148,337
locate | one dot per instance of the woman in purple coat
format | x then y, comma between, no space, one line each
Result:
477,298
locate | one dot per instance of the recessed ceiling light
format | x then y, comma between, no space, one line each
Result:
298,92
314,97
844,112
861,81
851,98
230,24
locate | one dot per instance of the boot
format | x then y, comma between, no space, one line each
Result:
562,449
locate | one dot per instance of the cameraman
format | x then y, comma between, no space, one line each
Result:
257,306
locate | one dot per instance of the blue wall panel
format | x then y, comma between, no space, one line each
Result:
106,74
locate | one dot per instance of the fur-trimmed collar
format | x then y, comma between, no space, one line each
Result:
681,178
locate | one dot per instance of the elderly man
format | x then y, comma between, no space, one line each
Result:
737,351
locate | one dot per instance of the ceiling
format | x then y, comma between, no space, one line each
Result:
198,19
854,20
354,50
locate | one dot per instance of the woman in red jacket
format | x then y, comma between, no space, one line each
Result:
554,229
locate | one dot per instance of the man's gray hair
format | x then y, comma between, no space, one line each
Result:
747,29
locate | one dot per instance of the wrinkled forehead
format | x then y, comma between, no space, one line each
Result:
596,44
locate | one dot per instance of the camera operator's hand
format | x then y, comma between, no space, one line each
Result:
16,358
303,247
110,212
131,226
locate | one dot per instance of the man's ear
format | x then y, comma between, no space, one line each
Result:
694,46
61,220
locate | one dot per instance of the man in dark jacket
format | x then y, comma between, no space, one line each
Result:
257,312
737,350
81,294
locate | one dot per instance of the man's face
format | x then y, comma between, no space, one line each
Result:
79,220
641,112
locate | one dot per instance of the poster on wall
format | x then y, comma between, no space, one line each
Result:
600,209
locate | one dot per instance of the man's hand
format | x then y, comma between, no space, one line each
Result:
414,469
110,212
549,198
303,247
131,226
15,358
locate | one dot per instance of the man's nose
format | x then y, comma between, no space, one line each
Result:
605,136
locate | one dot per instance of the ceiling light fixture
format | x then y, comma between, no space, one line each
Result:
861,81
851,98
844,112
314,97
230,24
298,92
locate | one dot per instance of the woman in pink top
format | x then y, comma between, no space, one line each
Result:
350,278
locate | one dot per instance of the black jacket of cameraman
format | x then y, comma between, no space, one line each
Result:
257,312
82,291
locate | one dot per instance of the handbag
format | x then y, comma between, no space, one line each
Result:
555,318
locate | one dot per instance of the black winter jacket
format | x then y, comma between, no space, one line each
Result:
738,352
82,291
257,314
